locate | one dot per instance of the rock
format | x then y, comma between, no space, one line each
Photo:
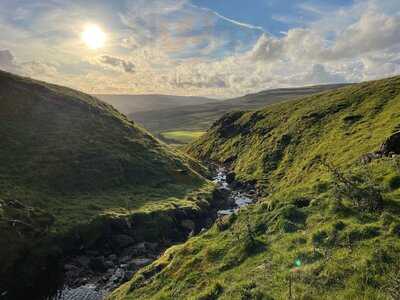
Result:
132,251
152,246
118,275
83,261
124,259
391,145
229,160
97,264
113,257
109,264
230,177
92,253
188,224
69,267
140,247
128,275
141,262
123,240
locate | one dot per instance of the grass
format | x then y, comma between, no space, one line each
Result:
181,137
200,117
301,230
69,160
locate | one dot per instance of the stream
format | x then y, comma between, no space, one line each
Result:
100,288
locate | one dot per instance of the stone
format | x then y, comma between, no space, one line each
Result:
391,145
69,267
128,275
230,177
118,275
123,240
83,260
152,246
113,257
188,224
141,262
140,246
97,264
124,259
109,264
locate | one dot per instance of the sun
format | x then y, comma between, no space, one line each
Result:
93,36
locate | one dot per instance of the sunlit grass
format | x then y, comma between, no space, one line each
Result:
182,137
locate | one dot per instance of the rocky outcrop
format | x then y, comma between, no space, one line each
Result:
391,145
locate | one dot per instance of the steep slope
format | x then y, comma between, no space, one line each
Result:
69,160
129,104
200,117
327,222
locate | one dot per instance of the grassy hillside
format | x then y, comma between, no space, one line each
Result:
327,225
67,160
181,137
129,104
200,117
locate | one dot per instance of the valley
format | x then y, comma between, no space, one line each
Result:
199,150
305,190
198,118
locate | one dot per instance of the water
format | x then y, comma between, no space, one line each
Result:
240,199
92,292
86,292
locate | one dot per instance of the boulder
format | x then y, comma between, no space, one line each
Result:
83,261
230,177
123,240
188,224
391,145
97,264
141,262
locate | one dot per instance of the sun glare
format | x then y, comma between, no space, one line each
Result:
93,36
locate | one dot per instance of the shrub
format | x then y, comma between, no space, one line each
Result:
360,190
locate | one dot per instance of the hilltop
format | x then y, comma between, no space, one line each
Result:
327,222
72,164
129,104
195,118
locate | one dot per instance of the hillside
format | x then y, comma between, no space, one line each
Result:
327,222
71,163
128,104
200,117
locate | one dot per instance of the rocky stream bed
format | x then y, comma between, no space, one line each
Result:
92,275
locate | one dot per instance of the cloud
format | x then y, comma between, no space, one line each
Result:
7,60
174,47
117,63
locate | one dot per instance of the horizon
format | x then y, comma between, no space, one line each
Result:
199,48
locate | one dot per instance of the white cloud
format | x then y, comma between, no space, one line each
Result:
173,47
7,61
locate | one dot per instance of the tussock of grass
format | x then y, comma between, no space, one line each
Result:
311,235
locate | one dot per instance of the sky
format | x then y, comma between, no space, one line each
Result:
213,48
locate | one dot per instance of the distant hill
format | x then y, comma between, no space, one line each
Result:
201,116
70,162
129,104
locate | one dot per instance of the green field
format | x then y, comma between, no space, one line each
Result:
181,137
